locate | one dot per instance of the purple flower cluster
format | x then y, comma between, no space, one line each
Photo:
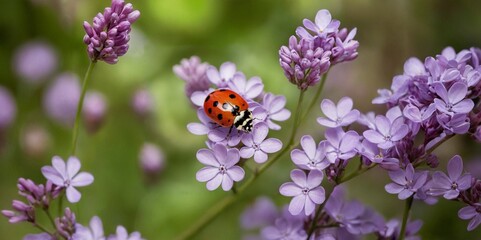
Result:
318,45
341,219
108,37
95,231
226,146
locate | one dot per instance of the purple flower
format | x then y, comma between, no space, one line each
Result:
151,159
61,99
340,144
284,229
108,37
306,190
452,184
66,224
224,75
472,212
457,124
303,63
94,108
453,101
122,234
220,167
377,155
274,105
406,182
68,176
39,236
311,157
249,89
35,61
387,132
95,230
323,25
345,48
262,213
142,102
193,72
37,195
257,145
339,115
22,212
7,104
417,115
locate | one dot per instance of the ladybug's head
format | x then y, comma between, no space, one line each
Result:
243,121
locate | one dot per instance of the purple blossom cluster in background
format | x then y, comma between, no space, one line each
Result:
226,146
318,45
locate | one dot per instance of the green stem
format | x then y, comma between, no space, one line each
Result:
315,99
80,106
216,209
356,173
42,228
49,217
60,203
407,209
318,213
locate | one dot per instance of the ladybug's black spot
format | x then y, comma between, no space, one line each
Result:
207,98
243,104
225,106
232,96
216,103
228,120
219,116
221,90
209,110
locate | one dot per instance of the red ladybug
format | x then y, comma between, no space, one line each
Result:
228,109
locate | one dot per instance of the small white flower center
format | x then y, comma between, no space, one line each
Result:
222,169
305,191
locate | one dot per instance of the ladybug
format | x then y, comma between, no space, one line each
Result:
228,109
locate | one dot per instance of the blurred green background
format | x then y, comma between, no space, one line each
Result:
246,32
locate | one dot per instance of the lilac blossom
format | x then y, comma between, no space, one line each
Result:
261,213
452,184
284,229
94,110
306,191
95,230
151,159
387,132
456,124
122,234
417,115
378,155
453,101
193,72
340,144
107,38
339,115
66,224
345,48
311,157
323,25
223,76
9,110
61,99
35,61
257,145
67,175
276,111
22,212
221,168
39,236
303,63
406,182
249,89
472,212
142,102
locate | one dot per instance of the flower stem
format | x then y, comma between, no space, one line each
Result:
407,209
356,173
318,212
216,209
80,106
49,217
42,228
315,99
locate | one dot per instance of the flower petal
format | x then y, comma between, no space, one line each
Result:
260,157
455,168
214,183
309,146
314,179
297,204
73,166
52,174
271,145
260,132
290,189
299,177
227,183
247,152
82,179
236,173
317,195
59,165
73,195
207,173
206,157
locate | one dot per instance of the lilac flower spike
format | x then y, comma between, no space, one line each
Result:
406,182
95,230
453,101
306,191
107,38
193,72
339,115
387,132
471,212
311,157
68,176
450,185
257,145
220,167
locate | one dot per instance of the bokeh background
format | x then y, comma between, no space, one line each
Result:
246,32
